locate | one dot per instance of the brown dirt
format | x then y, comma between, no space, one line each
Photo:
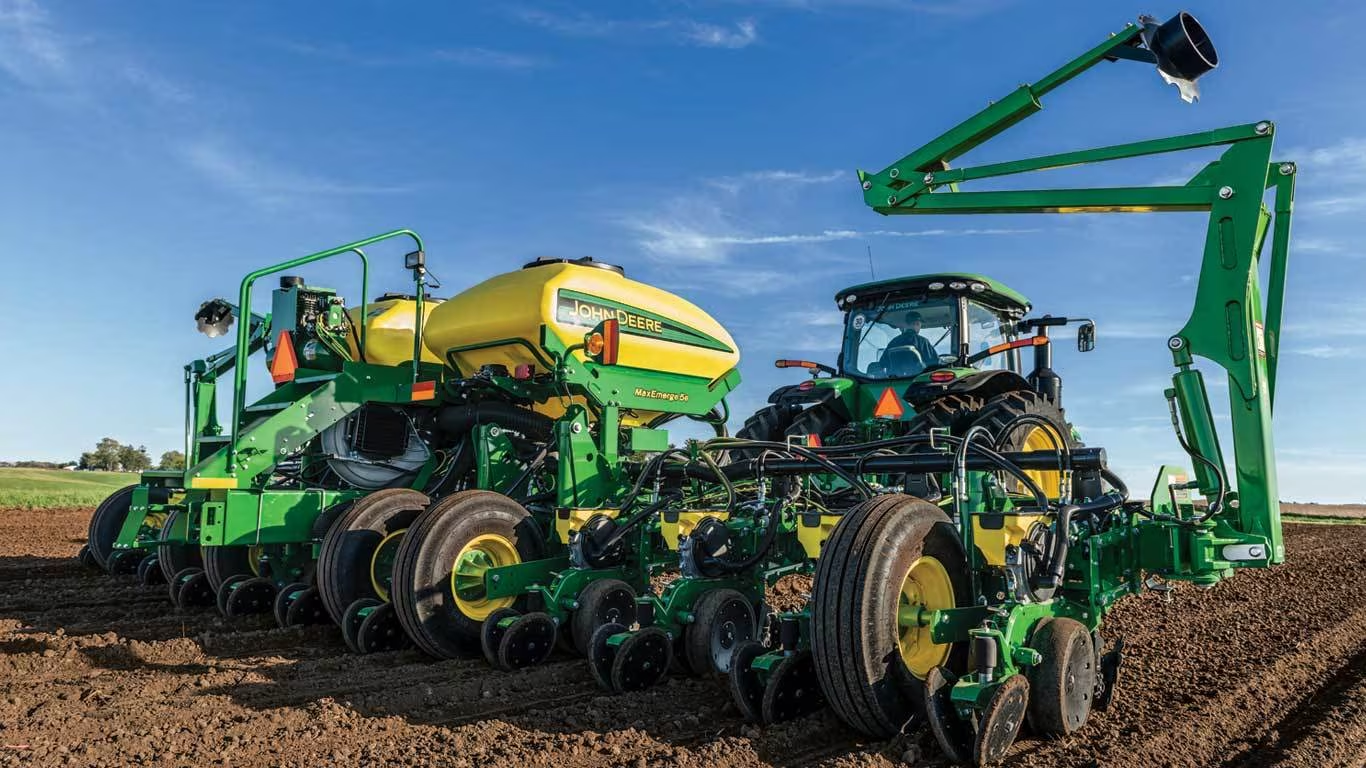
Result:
1266,669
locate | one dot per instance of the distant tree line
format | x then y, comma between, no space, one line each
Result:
110,455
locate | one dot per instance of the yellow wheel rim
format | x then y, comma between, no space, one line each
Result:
382,563
254,554
1041,439
483,552
926,588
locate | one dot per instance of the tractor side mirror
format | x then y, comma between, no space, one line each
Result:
603,343
1086,337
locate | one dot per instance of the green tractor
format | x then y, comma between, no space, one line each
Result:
932,352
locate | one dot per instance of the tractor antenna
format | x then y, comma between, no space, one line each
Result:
871,274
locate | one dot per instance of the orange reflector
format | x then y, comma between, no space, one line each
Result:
595,344
424,390
888,406
611,341
813,441
285,362
942,376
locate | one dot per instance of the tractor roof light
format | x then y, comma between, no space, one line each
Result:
935,286
979,287
958,285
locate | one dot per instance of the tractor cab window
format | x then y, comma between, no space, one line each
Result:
986,329
899,339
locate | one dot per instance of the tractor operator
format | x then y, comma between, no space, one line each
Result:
896,356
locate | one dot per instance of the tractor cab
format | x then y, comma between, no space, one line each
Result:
902,328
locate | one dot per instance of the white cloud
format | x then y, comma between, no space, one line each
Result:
734,184
258,180
31,50
682,31
1326,351
741,35
471,57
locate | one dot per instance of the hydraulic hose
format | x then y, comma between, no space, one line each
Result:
460,419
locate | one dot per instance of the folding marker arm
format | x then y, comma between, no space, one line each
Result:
1226,324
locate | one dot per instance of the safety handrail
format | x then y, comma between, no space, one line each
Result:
244,308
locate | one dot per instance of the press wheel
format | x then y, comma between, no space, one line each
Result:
527,641
792,690
254,595
491,634
746,687
723,618
353,618
283,599
380,631
605,601
641,660
306,607
149,572
600,654
954,735
190,588
1001,720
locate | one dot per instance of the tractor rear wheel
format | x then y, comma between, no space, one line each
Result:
889,561
356,556
1025,408
438,582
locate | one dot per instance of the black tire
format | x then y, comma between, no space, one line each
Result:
422,591
821,420
854,608
106,523
768,425
343,574
998,412
605,601
174,558
222,563
1062,687
724,619
108,520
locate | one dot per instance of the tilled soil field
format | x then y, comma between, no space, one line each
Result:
1266,669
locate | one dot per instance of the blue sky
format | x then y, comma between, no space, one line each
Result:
154,152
